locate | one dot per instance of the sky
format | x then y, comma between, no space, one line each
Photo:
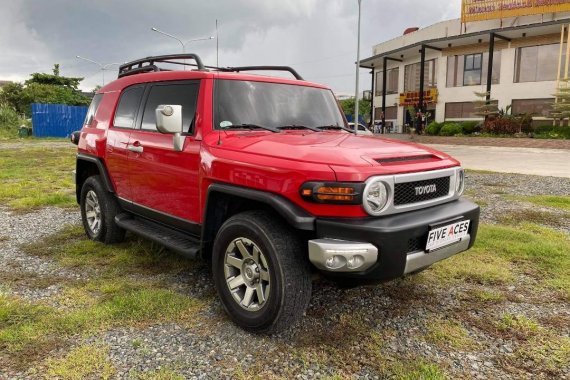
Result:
316,37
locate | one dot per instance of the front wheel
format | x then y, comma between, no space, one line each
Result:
261,272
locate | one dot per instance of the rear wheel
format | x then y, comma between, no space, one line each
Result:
261,272
98,211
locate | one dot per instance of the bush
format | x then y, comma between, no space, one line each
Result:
451,129
470,127
8,117
502,126
433,128
552,132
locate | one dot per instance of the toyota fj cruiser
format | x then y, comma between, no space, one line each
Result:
261,176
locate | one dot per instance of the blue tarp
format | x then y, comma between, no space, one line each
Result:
350,118
56,120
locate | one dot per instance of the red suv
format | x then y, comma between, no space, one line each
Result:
261,177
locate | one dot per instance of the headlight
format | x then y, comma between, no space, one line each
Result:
375,197
332,192
460,182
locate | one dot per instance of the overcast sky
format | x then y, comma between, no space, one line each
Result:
316,37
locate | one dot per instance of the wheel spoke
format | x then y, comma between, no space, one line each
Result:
260,295
237,281
90,202
264,275
247,297
234,261
255,254
90,214
243,250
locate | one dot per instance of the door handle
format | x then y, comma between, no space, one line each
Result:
136,149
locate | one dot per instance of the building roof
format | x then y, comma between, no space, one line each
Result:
452,33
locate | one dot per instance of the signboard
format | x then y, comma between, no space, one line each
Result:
477,10
412,98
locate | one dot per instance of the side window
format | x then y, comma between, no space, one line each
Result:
184,94
93,109
128,106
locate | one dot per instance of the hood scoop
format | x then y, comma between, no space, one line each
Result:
388,161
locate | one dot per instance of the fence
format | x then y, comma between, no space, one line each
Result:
56,120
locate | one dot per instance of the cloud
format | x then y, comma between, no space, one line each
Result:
317,37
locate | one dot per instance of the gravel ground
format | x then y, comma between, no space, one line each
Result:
214,348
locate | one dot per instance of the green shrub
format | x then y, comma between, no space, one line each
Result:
451,129
433,128
552,132
470,127
8,117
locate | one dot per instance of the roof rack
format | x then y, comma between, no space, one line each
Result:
262,68
147,64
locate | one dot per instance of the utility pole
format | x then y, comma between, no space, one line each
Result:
357,71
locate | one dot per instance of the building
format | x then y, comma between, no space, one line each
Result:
527,60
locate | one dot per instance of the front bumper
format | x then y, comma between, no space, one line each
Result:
399,239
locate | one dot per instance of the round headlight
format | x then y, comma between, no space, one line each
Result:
460,182
375,197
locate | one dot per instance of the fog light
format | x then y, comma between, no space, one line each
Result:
355,262
335,262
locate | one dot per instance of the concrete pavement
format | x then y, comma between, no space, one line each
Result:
537,161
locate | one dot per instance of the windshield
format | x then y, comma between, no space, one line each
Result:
273,105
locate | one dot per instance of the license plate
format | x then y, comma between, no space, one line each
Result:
446,235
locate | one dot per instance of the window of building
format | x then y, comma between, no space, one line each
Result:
392,77
535,107
462,110
184,94
412,76
391,113
472,69
538,63
128,107
467,70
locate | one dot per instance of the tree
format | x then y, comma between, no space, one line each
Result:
43,88
347,106
561,109
484,109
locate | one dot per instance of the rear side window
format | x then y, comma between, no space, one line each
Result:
128,106
184,94
93,109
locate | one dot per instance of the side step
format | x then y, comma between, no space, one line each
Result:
171,239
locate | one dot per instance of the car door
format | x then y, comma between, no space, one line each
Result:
116,155
164,182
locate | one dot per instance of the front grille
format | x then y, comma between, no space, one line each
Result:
420,191
415,245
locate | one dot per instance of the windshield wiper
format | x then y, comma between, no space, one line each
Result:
335,126
253,126
296,126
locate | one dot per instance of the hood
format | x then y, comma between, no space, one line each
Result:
336,149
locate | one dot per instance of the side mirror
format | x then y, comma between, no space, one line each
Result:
169,120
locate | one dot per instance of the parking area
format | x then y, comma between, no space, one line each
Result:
534,161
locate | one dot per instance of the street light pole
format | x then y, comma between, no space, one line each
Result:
101,65
179,40
357,71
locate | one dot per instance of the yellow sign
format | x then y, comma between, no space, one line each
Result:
412,98
477,10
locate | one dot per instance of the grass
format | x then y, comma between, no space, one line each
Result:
449,335
502,251
518,325
86,361
555,201
160,374
516,217
33,177
121,291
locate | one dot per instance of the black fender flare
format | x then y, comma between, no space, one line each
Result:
100,165
290,212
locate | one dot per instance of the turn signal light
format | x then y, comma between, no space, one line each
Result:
335,193
332,192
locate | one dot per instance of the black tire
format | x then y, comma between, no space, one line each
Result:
287,264
108,232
